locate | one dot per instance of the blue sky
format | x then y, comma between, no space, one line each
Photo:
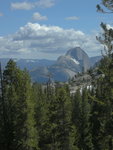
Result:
40,28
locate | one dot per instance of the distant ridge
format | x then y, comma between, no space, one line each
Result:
64,68
29,64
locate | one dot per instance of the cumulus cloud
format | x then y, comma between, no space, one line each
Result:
41,41
109,27
72,18
38,16
30,5
45,3
22,5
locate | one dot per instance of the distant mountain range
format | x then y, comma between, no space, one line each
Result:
95,60
65,67
29,64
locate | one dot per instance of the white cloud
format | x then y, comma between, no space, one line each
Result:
41,41
38,16
22,5
109,27
1,14
30,5
72,18
45,3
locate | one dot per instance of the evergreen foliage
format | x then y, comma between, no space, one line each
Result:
34,117
19,124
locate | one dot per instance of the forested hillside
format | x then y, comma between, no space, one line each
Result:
50,118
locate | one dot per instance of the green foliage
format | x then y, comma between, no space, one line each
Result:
81,120
34,117
41,117
63,116
19,125
102,117
108,4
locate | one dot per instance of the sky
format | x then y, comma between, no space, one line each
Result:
46,29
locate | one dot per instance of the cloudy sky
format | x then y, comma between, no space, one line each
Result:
48,28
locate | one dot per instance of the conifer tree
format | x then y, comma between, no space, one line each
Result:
97,120
41,116
108,4
32,137
106,67
62,119
76,103
81,119
10,82
20,124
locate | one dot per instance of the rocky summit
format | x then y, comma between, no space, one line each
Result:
80,58
74,61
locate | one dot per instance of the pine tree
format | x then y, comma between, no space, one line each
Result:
76,103
41,116
107,4
97,120
32,138
19,108
3,117
61,120
106,67
81,120
10,82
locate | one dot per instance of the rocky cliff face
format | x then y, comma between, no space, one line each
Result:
80,58
75,60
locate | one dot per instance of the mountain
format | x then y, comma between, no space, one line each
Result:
79,57
74,61
95,60
32,64
40,74
64,68
29,64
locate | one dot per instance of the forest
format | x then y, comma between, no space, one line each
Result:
37,118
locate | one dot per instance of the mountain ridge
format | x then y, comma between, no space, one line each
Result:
65,67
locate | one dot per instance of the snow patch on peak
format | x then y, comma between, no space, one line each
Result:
16,59
75,61
30,60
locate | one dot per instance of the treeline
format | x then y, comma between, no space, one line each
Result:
33,118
